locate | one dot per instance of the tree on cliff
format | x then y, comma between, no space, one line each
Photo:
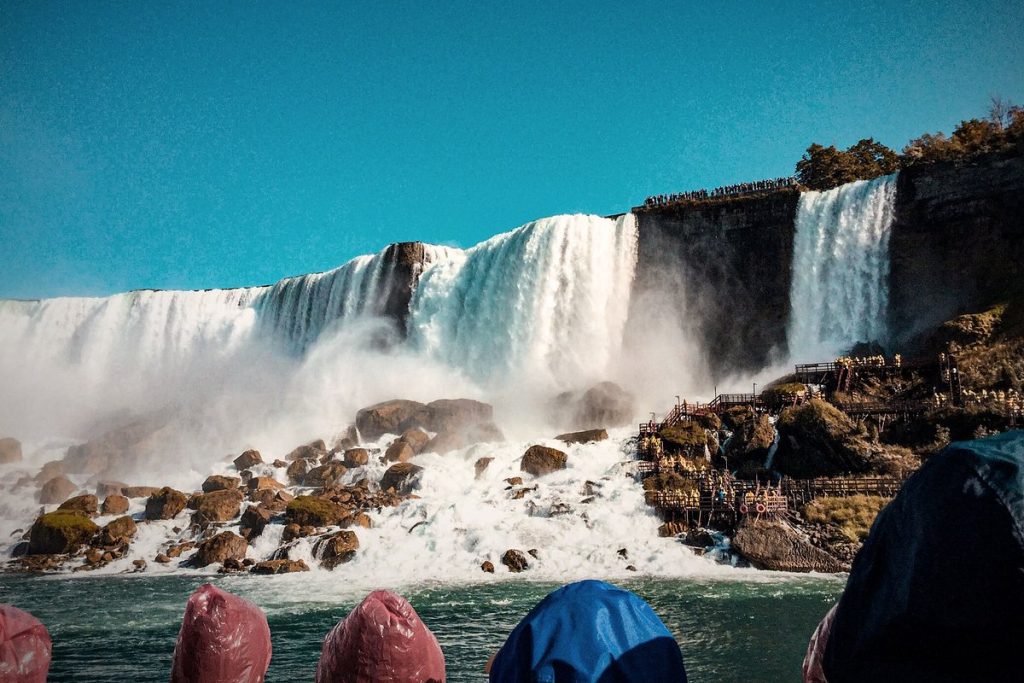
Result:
822,167
1003,130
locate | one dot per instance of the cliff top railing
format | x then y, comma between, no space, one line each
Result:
724,192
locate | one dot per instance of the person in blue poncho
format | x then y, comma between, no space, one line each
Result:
590,631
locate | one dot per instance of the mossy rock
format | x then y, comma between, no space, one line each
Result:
817,418
313,511
781,394
669,481
686,436
60,532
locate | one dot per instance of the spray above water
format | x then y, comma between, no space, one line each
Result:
840,286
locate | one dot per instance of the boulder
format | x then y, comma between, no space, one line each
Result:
774,544
109,488
403,477
114,504
296,472
315,512
450,440
86,504
541,460
347,439
274,500
165,504
278,463
457,415
481,465
603,404
116,450
391,417
586,436
416,438
356,457
336,549
48,471
399,451
254,520
10,450
487,566
225,545
217,482
139,491
325,475
121,531
56,490
247,460
515,560
279,567
818,440
264,483
60,532
217,506
309,451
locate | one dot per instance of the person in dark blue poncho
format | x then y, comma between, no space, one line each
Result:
937,592
590,631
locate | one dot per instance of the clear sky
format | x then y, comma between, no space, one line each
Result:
192,145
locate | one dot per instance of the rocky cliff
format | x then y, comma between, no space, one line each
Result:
957,241
725,264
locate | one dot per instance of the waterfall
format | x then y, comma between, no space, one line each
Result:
546,302
840,285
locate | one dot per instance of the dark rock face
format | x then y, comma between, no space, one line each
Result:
752,436
336,549
403,477
586,436
56,490
541,460
404,264
87,504
217,482
731,261
222,547
165,504
10,450
60,532
776,545
247,460
515,560
957,241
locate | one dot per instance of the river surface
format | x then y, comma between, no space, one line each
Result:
124,628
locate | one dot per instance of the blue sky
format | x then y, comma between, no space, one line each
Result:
191,145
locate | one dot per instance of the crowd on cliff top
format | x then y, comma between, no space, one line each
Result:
932,596
740,189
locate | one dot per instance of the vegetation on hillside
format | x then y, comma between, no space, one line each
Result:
854,515
823,167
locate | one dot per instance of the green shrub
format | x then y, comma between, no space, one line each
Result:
854,515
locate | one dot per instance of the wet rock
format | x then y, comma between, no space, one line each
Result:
291,532
356,457
699,538
56,490
403,477
534,553
108,488
114,504
60,532
456,415
818,440
217,482
120,531
514,481
230,565
254,520
177,550
541,460
391,417
416,438
139,491
48,471
309,451
771,544
248,459
10,450
603,404
631,568
296,472
669,529
274,500
139,564
515,560
85,503
363,520
116,450
264,483
481,465
280,463
93,556
586,436
162,559
487,566
217,506
399,451
279,567
325,475
336,549
452,440
225,545
165,504
316,512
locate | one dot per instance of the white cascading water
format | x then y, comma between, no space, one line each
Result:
840,287
546,303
